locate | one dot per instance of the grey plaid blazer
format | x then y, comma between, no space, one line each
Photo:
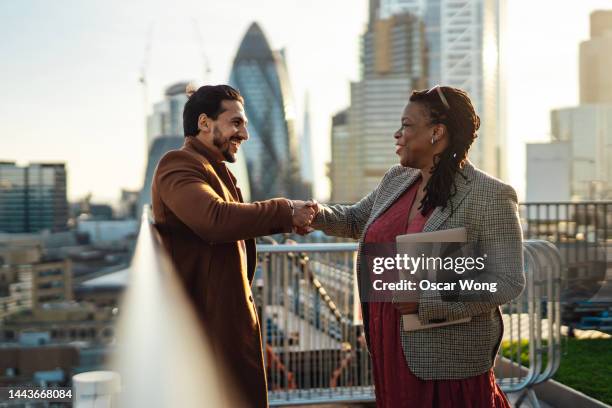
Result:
487,208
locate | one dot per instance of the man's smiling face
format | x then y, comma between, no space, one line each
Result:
230,129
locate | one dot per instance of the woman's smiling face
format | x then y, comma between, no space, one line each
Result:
414,137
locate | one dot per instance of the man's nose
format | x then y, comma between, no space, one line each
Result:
244,134
397,134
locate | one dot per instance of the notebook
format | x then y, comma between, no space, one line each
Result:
411,322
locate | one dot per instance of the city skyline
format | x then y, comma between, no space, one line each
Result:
63,101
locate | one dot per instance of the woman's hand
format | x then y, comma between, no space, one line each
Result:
407,307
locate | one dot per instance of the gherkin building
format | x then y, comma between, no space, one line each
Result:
260,75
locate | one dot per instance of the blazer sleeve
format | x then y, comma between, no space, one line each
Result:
184,189
501,239
347,221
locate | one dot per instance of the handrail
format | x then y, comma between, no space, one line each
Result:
163,356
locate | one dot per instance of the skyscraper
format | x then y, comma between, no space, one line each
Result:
343,166
582,135
588,131
596,60
392,64
463,42
33,198
271,153
307,172
167,116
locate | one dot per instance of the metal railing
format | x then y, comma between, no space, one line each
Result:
311,324
582,232
311,329
315,350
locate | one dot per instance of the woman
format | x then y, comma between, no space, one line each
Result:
435,187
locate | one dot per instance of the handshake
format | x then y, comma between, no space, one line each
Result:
303,214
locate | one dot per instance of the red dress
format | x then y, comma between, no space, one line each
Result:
395,385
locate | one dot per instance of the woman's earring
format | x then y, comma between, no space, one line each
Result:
433,140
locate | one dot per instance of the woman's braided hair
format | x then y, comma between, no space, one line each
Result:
461,122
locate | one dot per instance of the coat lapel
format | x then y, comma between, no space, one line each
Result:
401,185
440,214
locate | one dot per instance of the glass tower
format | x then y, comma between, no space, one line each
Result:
33,198
271,153
463,50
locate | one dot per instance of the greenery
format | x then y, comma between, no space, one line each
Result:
585,365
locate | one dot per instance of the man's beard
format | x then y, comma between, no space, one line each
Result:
218,141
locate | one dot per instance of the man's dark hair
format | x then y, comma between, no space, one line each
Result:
207,99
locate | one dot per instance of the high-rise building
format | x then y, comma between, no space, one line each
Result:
27,281
167,116
307,172
128,204
33,198
272,158
583,133
393,63
159,147
344,159
463,43
549,172
596,60
588,130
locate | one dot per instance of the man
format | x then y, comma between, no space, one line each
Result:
209,231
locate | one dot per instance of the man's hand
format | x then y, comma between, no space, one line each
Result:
407,307
303,213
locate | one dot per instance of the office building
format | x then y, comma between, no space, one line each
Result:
393,63
596,61
167,116
306,159
548,172
585,130
272,158
588,131
344,164
28,281
33,197
463,50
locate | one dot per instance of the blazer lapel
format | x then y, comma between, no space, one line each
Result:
401,185
440,214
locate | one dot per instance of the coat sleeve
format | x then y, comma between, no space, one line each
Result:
185,190
501,239
347,220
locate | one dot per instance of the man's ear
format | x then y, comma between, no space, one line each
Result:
203,123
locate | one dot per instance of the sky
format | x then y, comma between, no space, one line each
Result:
69,69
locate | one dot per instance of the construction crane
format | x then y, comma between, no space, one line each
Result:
143,69
142,79
205,63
